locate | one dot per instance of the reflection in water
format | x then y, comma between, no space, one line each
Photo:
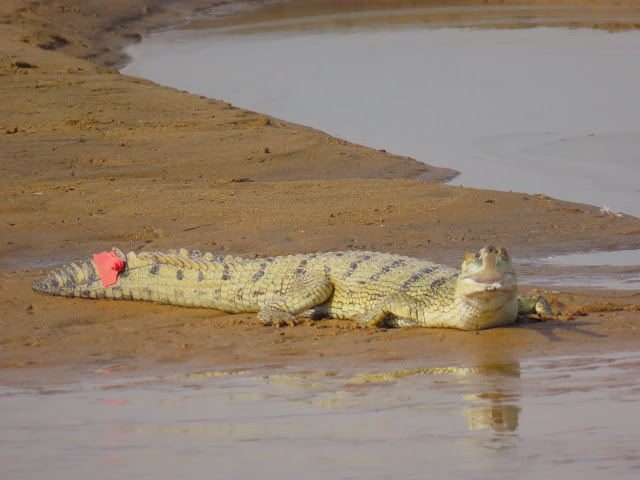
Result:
574,417
494,409
492,412
497,409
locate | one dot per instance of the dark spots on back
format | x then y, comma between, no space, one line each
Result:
155,269
200,276
412,279
257,293
226,273
354,265
415,277
352,268
376,276
125,272
85,293
300,268
179,275
439,282
387,268
339,254
92,274
398,263
259,274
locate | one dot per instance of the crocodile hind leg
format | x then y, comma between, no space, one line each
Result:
306,292
532,302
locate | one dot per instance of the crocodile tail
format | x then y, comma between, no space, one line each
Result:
175,278
80,279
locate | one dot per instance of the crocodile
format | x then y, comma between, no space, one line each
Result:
368,287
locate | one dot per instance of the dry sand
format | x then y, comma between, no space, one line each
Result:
92,159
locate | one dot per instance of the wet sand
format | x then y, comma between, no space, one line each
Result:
93,159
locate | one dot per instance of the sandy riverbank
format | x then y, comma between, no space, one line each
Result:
92,159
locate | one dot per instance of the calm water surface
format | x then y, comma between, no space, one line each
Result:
617,270
544,110
565,417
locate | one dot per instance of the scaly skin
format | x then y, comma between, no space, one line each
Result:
370,288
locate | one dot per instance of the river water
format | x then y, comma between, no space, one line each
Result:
539,110
563,417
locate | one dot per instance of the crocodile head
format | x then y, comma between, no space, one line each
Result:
486,290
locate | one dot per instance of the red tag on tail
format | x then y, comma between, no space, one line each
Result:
109,266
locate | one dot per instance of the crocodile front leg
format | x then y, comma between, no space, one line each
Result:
532,302
306,292
398,310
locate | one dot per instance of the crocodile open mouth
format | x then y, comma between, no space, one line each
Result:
488,281
487,277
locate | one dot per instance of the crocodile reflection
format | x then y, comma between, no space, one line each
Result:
493,405
491,410
491,390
